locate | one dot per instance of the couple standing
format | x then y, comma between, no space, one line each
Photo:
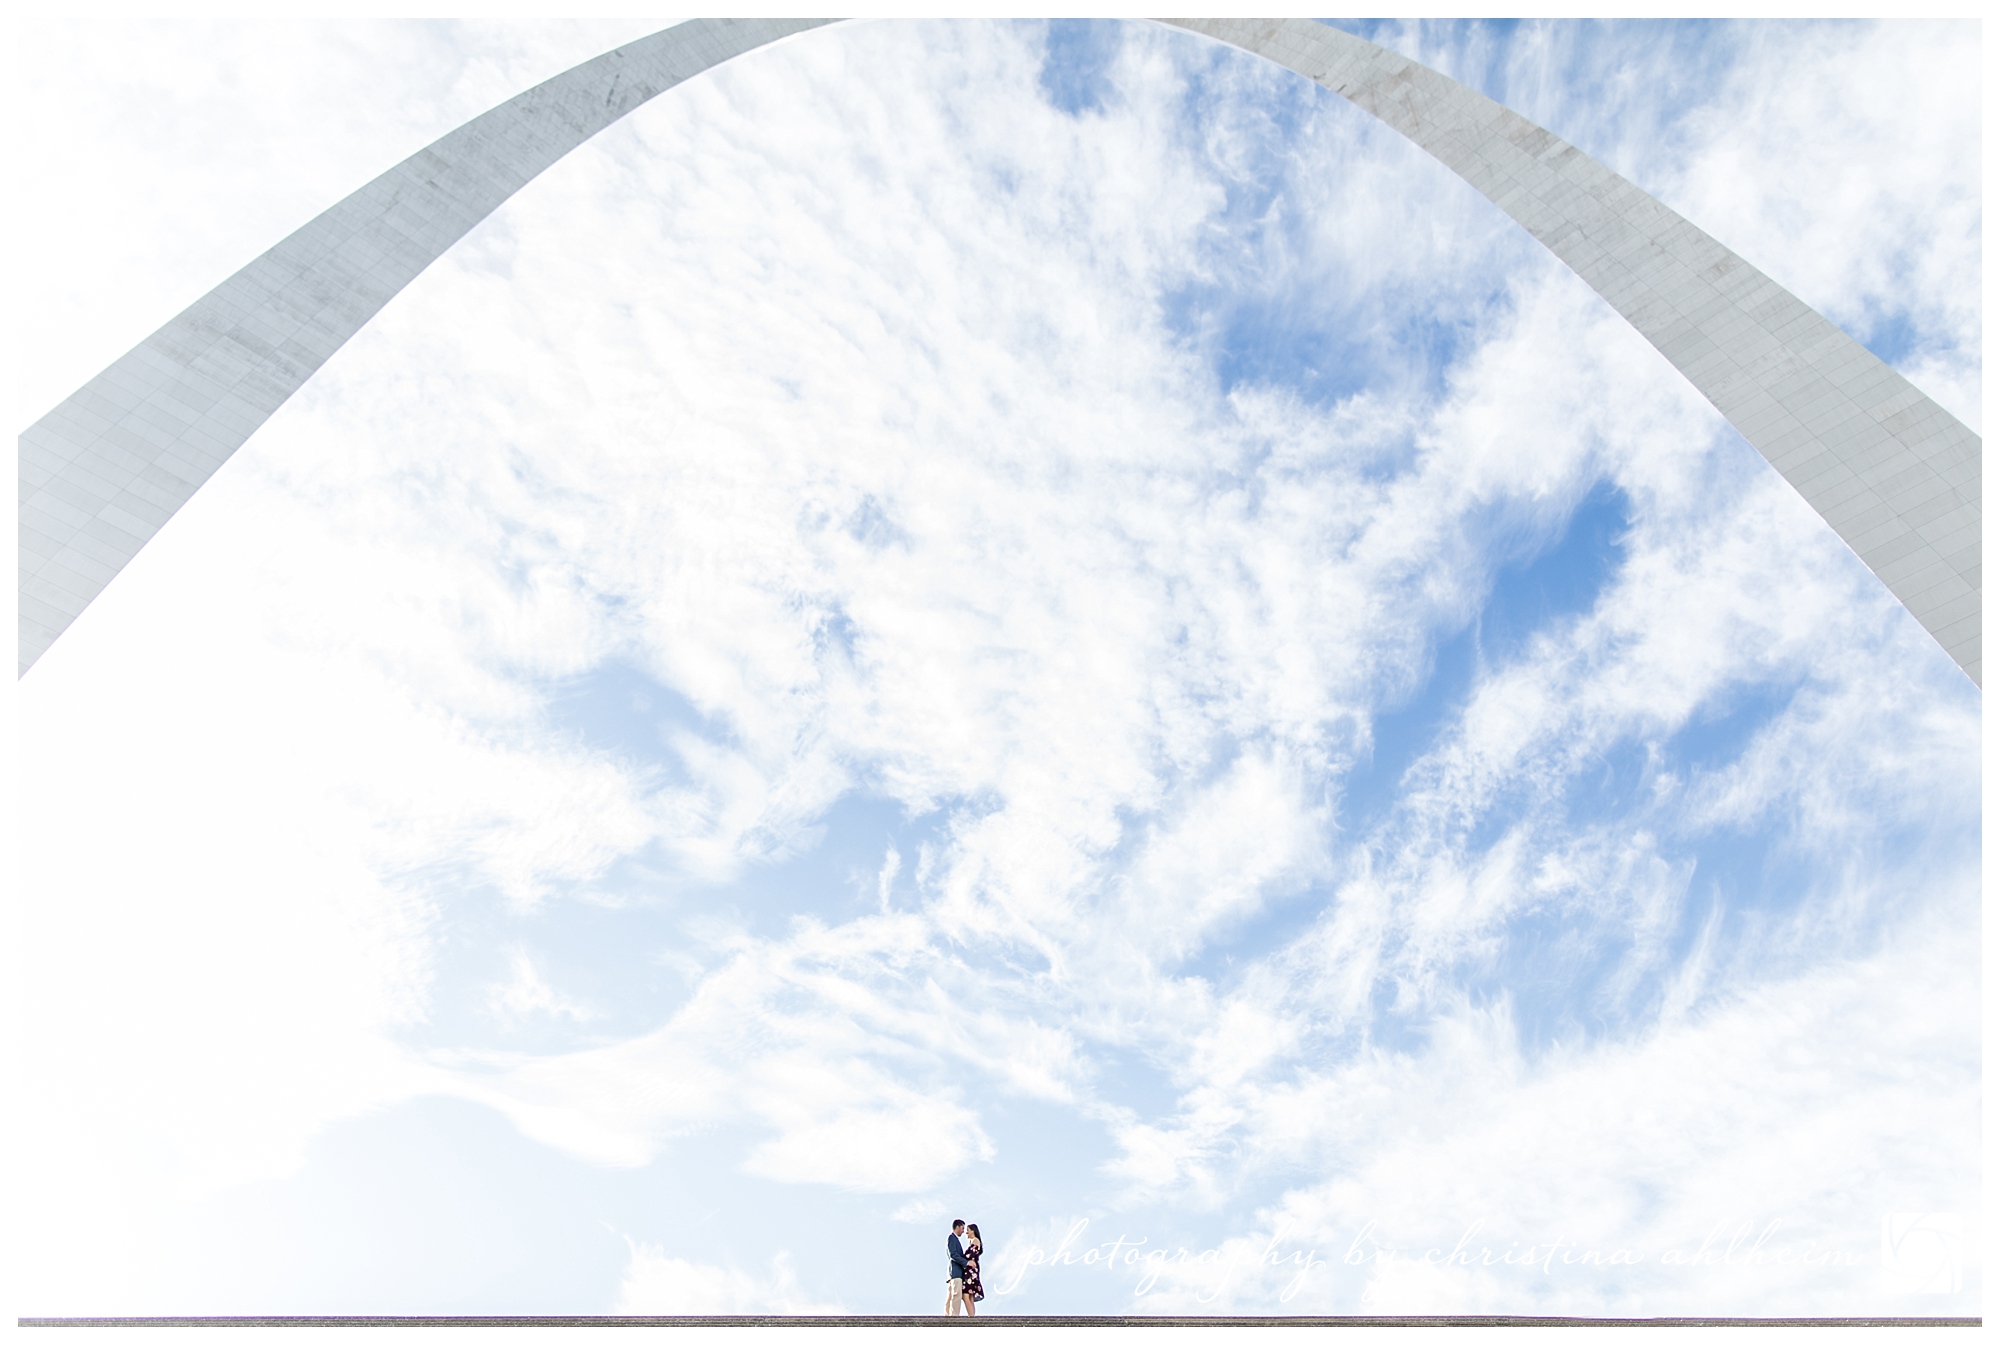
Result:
962,1289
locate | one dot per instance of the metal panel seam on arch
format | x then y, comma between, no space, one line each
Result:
1896,476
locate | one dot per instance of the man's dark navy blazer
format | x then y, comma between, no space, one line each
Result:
957,1250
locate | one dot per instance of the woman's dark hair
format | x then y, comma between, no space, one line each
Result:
974,1230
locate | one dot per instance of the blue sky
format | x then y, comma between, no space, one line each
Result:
1037,622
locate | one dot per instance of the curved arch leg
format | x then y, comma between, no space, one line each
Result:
1896,476
105,470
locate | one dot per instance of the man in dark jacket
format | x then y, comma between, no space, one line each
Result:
954,1291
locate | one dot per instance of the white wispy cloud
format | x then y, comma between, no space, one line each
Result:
1647,1146
658,1285
526,992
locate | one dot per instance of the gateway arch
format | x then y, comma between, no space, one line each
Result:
1894,474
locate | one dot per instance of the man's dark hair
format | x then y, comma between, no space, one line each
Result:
957,1224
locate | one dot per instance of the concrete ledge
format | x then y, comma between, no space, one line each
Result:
956,1322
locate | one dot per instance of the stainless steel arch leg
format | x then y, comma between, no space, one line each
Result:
1896,476
1894,473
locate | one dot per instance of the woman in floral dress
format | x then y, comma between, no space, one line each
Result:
973,1293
